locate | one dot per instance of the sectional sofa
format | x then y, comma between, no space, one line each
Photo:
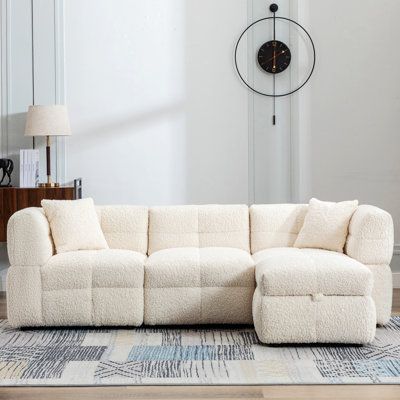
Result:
210,264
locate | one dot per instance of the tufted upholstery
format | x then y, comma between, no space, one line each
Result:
275,225
199,226
285,272
200,270
370,241
312,296
191,285
29,239
370,238
99,287
301,319
125,227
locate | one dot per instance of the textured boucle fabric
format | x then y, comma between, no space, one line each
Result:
199,282
382,292
94,268
93,306
74,225
326,225
198,285
291,271
24,296
67,307
370,241
199,226
194,267
371,236
125,227
172,305
107,286
29,240
275,225
302,319
118,306
86,287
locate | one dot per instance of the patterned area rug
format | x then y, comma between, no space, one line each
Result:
165,356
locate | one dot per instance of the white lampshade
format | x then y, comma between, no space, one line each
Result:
47,121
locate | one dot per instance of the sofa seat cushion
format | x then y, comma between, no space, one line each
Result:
191,285
94,269
199,267
103,287
291,271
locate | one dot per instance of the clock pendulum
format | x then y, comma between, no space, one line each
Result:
273,8
274,57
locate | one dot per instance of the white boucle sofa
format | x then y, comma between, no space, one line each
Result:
204,265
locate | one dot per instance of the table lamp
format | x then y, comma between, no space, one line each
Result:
47,121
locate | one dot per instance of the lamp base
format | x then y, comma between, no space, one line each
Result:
49,185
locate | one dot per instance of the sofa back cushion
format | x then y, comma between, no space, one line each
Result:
199,226
125,227
275,225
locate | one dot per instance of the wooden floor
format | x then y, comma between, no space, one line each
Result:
303,392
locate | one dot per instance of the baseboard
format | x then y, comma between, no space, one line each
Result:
395,265
3,265
3,276
396,280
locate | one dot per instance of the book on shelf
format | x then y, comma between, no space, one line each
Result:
29,168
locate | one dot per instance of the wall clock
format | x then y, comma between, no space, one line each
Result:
274,57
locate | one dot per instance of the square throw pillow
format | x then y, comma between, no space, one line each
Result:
326,225
74,225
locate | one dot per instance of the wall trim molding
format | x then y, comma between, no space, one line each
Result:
59,50
250,107
4,76
294,159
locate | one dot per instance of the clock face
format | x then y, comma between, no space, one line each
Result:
274,56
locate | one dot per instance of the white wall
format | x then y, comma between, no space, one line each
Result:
30,74
16,90
16,79
157,112
349,115
160,117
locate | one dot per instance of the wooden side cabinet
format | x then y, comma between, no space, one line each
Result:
13,199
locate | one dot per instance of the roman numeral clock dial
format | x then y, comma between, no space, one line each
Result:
274,57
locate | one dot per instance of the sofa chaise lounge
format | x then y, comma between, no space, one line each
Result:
207,264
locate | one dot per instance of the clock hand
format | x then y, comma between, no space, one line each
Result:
274,62
277,55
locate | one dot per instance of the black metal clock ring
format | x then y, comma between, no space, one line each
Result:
275,95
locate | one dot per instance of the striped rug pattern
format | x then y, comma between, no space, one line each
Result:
182,356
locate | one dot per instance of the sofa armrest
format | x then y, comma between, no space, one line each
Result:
370,238
29,240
